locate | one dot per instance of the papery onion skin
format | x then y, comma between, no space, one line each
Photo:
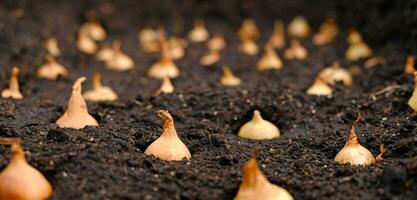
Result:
354,153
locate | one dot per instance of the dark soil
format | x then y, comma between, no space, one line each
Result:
108,162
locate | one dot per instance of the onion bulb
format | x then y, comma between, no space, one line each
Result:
176,47
256,186
228,78
277,39
269,60
77,115
357,47
358,51
105,54
296,51
336,73
354,37
199,33
216,43
119,61
13,90
249,30
299,27
168,146
51,46
86,44
319,88
93,30
99,92
148,40
164,66
20,181
248,46
52,69
409,65
258,128
412,102
166,86
327,32
353,152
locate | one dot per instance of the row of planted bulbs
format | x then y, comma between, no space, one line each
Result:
169,146
151,40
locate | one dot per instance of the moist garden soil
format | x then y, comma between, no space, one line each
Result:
108,162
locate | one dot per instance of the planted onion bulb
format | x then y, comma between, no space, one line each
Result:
357,47
199,33
256,186
409,65
216,43
210,58
21,181
296,51
13,90
258,128
354,37
168,146
166,86
105,54
99,92
412,102
120,61
77,115
278,35
51,69
269,60
298,27
327,33
228,78
177,47
51,46
353,152
319,88
85,44
336,73
148,40
249,30
164,66
248,47
93,30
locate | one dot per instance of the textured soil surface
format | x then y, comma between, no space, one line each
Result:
108,162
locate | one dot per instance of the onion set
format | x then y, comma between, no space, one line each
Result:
13,90
168,146
19,180
76,116
258,128
353,152
255,185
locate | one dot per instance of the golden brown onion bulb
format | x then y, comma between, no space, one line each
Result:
99,92
168,146
77,115
229,79
256,186
13,90
258,128
412,102
353,152
20,181
299,27
269,60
